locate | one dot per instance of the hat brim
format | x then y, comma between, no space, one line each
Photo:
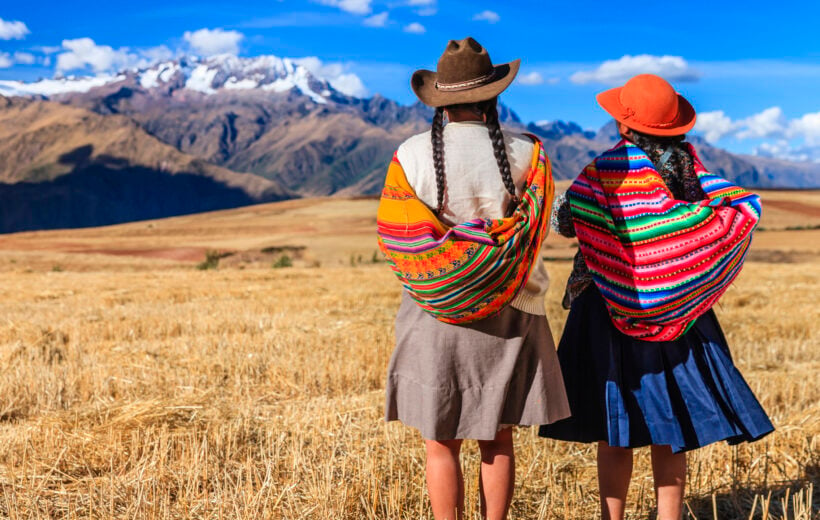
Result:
423,83
610,100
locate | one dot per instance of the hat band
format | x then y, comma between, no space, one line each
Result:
467,85
629,113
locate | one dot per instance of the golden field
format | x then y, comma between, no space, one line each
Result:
135,385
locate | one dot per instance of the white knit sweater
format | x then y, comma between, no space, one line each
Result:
474,186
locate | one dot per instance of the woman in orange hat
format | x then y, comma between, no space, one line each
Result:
660,240
463,213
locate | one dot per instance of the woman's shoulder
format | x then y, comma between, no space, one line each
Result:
622,155
415,147
519,146
517,137
417,141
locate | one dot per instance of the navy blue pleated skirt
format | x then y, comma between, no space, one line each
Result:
685,393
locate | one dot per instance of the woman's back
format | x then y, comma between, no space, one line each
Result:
474,188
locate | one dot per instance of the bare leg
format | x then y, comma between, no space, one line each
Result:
614,474
497,475
669,470
445,482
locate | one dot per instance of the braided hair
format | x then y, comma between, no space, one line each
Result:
437,135
678,172
489,109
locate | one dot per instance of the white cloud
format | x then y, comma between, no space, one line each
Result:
714,125
25,58
157,54
782,149
46,49
9,60
807,127
427,11
614,72
532,78
209,42
794,140
349,84
350,6
768,123
377,20
777,148
83,52
336,74
415,28
487,16
14,30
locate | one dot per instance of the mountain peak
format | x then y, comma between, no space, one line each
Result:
209,75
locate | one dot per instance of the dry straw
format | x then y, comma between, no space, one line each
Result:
135,388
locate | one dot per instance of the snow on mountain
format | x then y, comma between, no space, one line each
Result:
53,87
205,75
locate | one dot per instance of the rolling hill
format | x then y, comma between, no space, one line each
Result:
63,166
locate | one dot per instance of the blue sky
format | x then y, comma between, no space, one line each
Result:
751,69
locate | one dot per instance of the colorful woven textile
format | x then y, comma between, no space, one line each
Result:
658,262
472,270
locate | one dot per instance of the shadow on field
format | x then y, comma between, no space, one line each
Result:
106,190
783,498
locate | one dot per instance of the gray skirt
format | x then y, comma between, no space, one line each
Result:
469,381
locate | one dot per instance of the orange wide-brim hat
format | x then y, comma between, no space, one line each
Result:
649,104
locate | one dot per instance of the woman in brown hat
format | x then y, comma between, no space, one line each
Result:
644,359
462,216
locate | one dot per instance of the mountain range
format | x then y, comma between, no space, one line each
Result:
195,134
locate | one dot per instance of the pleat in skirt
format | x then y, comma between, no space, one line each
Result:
629,393
469,381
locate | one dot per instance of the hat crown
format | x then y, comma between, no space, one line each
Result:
651,99
463,60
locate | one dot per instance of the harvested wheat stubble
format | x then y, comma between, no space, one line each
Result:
136,386
179,393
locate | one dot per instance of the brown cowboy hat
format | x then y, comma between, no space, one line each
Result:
464,74
649,104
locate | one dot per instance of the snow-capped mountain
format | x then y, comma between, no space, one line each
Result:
54,87
205,75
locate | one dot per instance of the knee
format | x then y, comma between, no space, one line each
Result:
449,448
614,452
502,444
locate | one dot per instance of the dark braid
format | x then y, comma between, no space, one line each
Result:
499,149
679,171
490,111
437,136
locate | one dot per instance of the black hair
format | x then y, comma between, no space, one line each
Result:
678,171
437,135
489,109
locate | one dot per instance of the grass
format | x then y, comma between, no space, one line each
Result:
139,387
211,261
283,261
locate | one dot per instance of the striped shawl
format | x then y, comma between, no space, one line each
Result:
470,271
659,263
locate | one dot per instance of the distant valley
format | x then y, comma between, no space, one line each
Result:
196,135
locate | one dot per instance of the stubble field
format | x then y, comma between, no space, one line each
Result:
134,385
